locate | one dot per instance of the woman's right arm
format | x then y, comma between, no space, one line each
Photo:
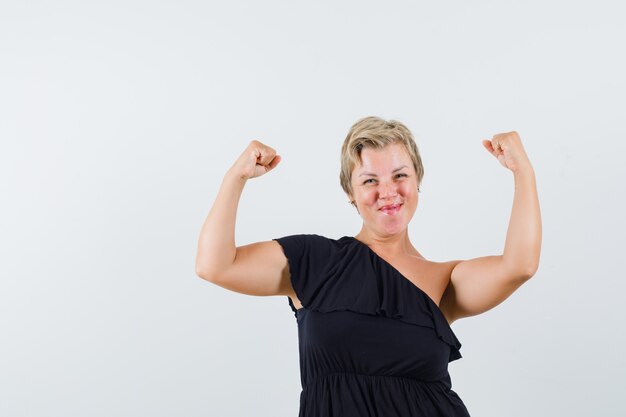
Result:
258,268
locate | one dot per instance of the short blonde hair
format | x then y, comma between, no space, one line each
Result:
374,132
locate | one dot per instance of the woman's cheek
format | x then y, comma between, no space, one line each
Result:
371,196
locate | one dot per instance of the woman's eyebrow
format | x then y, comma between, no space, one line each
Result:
374,175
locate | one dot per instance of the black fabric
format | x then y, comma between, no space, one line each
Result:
371,342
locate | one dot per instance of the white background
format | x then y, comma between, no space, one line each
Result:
118,120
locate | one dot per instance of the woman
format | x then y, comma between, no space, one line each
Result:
373,314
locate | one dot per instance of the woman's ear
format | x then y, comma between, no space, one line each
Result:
353,202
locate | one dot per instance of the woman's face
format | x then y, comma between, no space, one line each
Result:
385,177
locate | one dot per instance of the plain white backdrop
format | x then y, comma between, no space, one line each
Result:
118,120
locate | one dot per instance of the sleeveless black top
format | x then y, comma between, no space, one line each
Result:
371,343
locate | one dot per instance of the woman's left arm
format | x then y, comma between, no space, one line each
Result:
479,284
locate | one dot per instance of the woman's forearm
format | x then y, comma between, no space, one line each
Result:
523,239
216,245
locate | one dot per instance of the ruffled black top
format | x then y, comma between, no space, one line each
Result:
371,342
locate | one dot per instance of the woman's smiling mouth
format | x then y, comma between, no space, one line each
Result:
390,210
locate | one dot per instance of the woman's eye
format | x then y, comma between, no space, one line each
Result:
372,179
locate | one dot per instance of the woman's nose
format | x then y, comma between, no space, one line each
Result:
387,190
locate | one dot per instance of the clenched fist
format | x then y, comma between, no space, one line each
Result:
508,149
257,159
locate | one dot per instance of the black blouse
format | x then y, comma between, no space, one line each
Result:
371,342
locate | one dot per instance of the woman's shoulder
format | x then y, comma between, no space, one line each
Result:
312,244
450,264
443,267
318,238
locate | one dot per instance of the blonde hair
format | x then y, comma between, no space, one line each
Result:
374,132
